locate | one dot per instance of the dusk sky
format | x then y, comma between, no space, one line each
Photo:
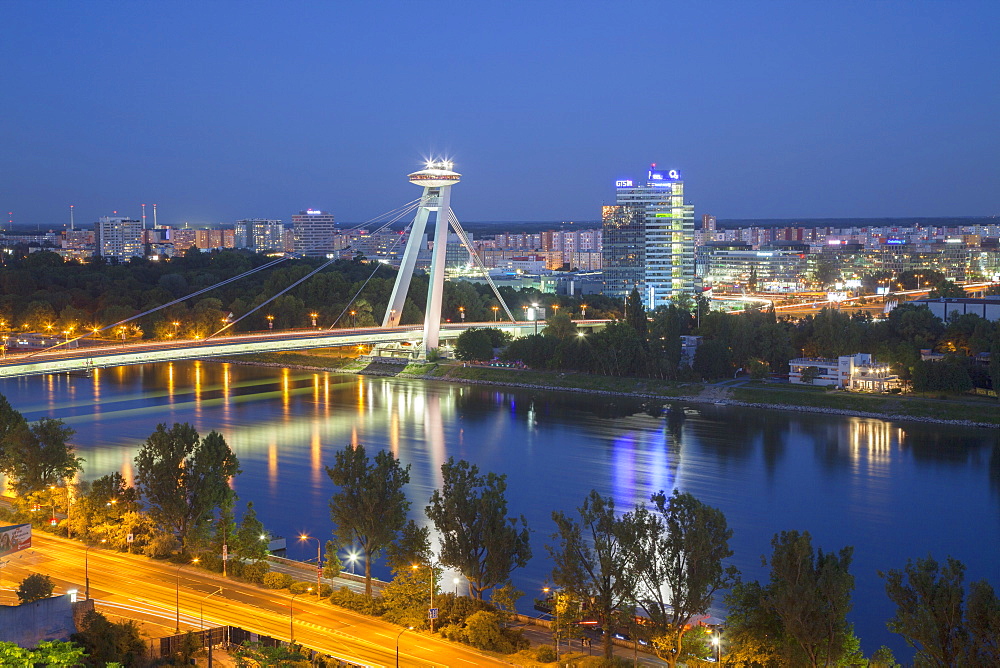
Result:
224,110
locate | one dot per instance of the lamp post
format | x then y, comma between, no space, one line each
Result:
177,328
319,559
431,568
397,643
717,641
291,618
177,595
202,614
270,322
534,316
86,569
496,313
352,558
461,312
555,630
455,581
583,310
314,315
354,319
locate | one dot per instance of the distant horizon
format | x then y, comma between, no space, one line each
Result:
863,221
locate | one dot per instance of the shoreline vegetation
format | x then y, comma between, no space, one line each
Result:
966,412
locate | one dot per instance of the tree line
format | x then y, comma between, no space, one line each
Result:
756,341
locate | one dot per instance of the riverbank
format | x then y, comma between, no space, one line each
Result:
972,412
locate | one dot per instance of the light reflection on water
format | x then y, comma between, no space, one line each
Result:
892,490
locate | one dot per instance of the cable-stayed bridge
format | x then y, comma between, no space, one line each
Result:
414,341
408,339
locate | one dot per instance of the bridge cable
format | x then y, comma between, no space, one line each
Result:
472,251
268,265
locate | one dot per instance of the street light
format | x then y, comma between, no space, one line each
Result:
397,643
352,558
415,567
177,328
461,312
270,322
314,315
555,631
717,641
319,559
177,594
86,569
534,316
455,581
583,310
496,313
291,617
354,319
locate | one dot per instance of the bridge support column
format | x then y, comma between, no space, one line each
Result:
436,181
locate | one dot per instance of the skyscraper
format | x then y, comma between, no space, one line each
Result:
649,239
118,238
314,233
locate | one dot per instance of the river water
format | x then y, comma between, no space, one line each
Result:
892,490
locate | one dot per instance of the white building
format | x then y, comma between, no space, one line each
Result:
314,233
118,238
853,372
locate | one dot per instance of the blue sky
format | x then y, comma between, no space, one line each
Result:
223,110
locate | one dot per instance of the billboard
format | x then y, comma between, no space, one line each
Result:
14,538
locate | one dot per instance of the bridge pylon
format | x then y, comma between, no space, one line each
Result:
436,178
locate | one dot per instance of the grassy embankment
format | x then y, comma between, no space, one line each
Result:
974,409
454,371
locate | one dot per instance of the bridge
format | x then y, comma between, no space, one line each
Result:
436,179
407,337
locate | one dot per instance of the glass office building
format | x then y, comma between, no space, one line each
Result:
649,239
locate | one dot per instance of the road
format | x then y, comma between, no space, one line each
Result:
134,586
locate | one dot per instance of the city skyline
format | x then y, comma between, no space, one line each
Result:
780,110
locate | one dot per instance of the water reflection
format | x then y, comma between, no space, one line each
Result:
889,489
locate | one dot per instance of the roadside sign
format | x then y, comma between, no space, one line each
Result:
433,613
130,538
225,552
14,538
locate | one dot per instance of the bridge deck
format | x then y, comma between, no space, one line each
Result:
62,360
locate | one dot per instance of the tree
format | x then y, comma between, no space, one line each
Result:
560,326
477,538
38,455
946,289
810,593
250,540
184,480
107,642
635,314
595,560
474,345
931,617
370,507
34,587
680,566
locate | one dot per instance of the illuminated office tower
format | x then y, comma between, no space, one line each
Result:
314,233
649,239
118,238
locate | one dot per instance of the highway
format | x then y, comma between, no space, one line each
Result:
134,586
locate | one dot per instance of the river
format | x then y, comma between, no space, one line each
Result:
892,490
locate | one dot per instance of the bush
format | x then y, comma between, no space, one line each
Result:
302,587
210,561
161,546
545,654
345,598
456,609
255,571
275,580
483,631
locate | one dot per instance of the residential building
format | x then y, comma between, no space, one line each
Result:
118,238
259,234
649,239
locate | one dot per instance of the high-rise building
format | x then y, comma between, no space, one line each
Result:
259,234
649,239
118,238
314,233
